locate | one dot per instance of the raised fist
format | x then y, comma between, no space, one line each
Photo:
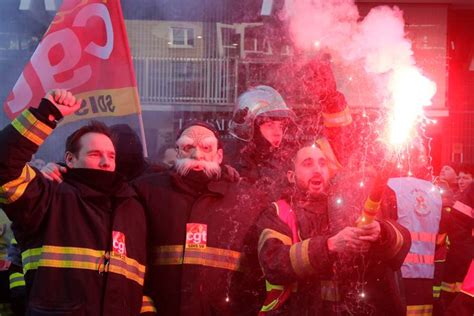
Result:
64,101
318,78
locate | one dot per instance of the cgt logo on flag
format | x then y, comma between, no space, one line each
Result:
85,50
118,243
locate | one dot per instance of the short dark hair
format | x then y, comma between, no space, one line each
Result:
301,143
73,144
126,141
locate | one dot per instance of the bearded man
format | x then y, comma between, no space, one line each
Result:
299,248
197,221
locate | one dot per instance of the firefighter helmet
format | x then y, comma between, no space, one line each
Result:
258,101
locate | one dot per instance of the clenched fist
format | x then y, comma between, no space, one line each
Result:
64,101
319,79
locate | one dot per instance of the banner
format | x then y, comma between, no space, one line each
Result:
85,50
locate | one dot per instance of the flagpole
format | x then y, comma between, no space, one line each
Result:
142,134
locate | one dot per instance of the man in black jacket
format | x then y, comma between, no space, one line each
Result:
198,217
83,240
312,266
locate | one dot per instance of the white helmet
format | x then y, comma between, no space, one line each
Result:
258,101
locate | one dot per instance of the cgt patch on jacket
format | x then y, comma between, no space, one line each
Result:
118,243
196,235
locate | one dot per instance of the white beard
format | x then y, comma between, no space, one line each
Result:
210,168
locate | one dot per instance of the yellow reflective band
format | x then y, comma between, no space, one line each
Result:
269,307
276,294
127,267
213,257
169,255
31,128
13,190
338,119
82,258
451,287
15,275
16,284
147,305
269,234
209,256
16,280
299,257
68,250
395,247
33,256
269,287
66,264
419,310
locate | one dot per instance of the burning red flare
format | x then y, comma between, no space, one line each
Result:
410,92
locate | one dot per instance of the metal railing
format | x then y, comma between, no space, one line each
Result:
171,80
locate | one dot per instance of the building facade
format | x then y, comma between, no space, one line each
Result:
193,58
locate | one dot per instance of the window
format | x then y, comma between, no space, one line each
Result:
257,45
182,37
228,38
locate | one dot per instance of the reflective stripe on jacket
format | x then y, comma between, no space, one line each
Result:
278,294
419,210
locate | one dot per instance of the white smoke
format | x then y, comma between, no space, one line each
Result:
330,23
377,43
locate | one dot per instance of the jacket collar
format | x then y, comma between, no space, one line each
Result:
89,183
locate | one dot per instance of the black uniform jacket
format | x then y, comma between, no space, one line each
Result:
83,241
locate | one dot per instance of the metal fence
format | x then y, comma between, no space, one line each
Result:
209,81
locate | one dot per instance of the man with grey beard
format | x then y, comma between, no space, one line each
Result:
198,217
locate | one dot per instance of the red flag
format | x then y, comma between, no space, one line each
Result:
85,50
